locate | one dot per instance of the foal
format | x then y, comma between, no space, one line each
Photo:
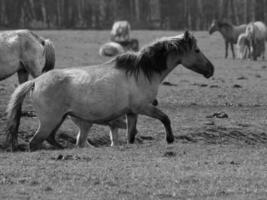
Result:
126,85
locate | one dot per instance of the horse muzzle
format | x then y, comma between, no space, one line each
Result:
210,70
211,31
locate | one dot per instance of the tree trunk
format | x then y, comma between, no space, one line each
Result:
245,13
200,18
43,8
137,10
234,17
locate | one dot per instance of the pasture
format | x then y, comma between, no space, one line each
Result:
219,125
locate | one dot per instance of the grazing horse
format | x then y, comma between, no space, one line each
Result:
120,31
229,32
243,46
257,34
24,52
126,85
111,49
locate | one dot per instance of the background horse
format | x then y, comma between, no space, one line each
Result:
126,85
257,34
24,53
243,46
120,31
113,48
229,32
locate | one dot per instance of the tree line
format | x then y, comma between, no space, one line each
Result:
142,14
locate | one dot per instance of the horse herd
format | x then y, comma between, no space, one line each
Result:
250,38
125,86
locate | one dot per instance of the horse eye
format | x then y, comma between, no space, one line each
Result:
197,50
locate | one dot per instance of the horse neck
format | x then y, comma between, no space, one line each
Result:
226,34
171,63
155,80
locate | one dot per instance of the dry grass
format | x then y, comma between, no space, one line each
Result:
212,158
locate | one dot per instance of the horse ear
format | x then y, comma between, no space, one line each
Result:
186,35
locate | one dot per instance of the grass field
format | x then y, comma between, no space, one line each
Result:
211,158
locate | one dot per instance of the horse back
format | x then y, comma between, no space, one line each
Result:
261,32
20,42
239,30
257,30
91,92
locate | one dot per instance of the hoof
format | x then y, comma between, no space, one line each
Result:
170,139
33,147
131,140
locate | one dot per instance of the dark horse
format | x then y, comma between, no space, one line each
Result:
229,32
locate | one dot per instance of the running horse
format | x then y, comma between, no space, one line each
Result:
126,85
229,32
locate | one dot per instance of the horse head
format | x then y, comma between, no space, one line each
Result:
194,59
213,27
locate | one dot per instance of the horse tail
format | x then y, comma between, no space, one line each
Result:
14,112
49,51
50,57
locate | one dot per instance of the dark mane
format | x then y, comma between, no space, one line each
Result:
225,24
152,58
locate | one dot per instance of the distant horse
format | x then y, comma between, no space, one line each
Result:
113,48
126,85
229,32
120,31
243,46
257,34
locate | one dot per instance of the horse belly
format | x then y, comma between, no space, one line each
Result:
99,103
8,67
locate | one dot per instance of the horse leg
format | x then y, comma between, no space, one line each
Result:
51,140
84,127
263,49
52,137
131,126
114,135
22,77
226,49
156,113
33,67
233,50
47,127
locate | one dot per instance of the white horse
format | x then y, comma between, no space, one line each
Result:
126,85
112,49
120,31
257,34
23,52
243,46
